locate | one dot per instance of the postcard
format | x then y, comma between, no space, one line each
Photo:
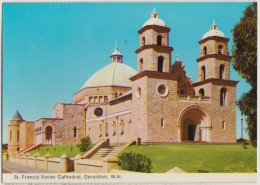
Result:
114,92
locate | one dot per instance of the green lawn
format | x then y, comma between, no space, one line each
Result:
58,150
194,158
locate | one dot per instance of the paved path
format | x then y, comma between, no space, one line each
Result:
9,167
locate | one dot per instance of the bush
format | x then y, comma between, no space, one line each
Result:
85,144
135,162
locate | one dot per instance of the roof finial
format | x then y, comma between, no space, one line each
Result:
154,10
177,57
214,22
116,49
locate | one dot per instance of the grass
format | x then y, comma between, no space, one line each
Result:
199,158
58,150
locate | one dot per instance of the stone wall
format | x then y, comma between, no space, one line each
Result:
26,138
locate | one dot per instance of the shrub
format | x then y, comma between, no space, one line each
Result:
85,144
135,162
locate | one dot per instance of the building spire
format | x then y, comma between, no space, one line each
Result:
17,116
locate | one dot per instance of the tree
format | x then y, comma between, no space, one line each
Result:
244,53
135,162
85,144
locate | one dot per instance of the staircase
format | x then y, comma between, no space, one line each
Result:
29,149
104,152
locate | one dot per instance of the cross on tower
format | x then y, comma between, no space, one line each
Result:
153,10
116,43
177,57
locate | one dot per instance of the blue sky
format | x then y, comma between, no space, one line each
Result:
51,49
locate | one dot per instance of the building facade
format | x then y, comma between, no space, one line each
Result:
157,103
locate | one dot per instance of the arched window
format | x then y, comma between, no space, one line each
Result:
223,125
17,135
114,128
106,129
160,64
100,130
141,63
223,96
201,92
116,95
122,127
221,71
143,41
203,71
75,132
159,40
220,47
120,94
205,50
162,123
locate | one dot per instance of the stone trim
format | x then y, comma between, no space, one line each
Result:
154,74
159,29
216,81
157,48
217,38
111,115
217,56
100,87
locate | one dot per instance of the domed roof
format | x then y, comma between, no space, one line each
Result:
154,20
116,74
213,32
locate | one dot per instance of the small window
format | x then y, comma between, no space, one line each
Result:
203,71
160,64
114,128
221,71
162,123
201,92
223,94
223,125
75,132
122,127
205,50
143,41
182,91
116,95
159,40
141,63
100,131
17,135
220,47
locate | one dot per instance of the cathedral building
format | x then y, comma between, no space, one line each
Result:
158,103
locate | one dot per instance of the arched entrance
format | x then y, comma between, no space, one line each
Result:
49,135
194,125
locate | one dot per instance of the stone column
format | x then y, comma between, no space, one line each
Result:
109,163
78,157
47,156
64,163
35,156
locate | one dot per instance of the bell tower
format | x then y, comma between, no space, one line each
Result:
13,133
153,87
154,53
214,61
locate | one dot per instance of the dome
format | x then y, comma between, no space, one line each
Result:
116,74
213,32
154,20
